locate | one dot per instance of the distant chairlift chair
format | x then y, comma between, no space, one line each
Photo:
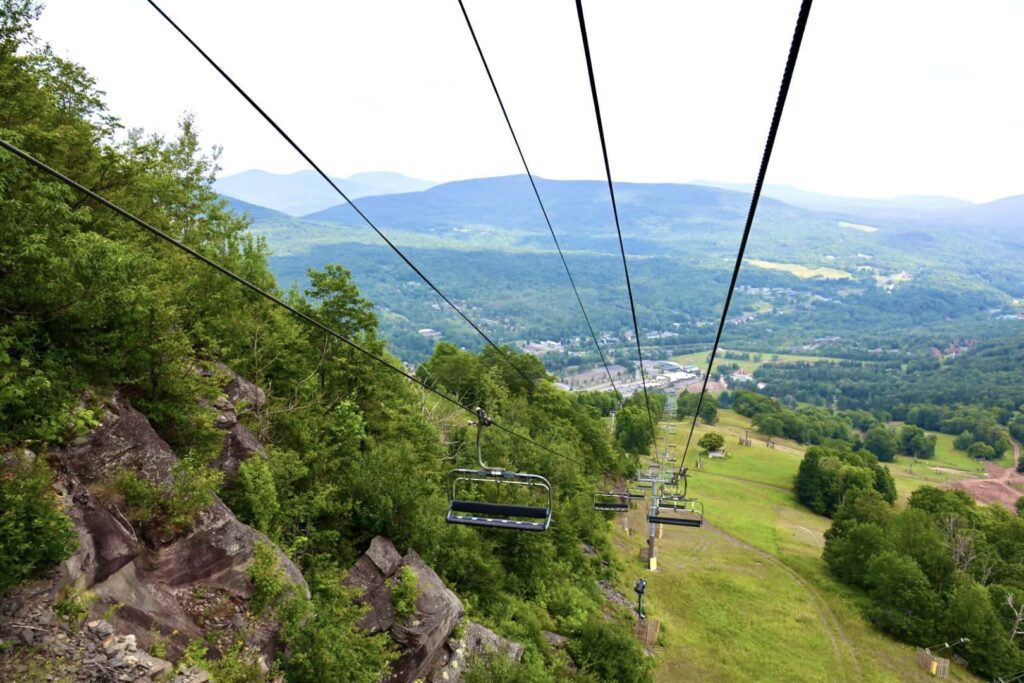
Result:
677,511
612,501
462,510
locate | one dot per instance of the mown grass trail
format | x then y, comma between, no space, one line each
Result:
747,597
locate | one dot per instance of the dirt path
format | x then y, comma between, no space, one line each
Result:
1011,473
841,644
997,487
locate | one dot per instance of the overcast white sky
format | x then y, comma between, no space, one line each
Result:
890,96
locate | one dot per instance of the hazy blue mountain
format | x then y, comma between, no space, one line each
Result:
901,207
303,192
1006,214
690,221
652,215
485,243
259,214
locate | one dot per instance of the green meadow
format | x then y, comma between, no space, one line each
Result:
747,596
700,359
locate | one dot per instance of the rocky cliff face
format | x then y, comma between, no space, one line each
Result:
154,590
158,591
174,589
425,638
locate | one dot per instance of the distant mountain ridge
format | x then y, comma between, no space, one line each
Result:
296,194
939,211
574,206
485,241
660,219
817,201
259,214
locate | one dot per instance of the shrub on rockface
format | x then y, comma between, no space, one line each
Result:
405,591
34,533
163,509
609,652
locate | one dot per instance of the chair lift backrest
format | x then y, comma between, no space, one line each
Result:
496,515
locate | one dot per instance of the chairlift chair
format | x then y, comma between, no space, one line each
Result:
463,510
677,511
635,493
612,501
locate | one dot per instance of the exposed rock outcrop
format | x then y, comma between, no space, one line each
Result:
91,653
240,443
613,596
478,640
172,589
425,637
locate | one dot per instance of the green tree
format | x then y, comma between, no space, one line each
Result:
963,440
981,451
916,534
1016,426
882,442
325,642
847,556
914,441
34,533
338,302
610,653
633,429
686,404
712,441
827,476
970,615
862,506
904,604
942,504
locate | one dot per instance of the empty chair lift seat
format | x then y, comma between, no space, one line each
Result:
676,511
499,515
467,486
612,502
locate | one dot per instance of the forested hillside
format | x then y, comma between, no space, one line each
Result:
941,569
92,307
807,274
990,374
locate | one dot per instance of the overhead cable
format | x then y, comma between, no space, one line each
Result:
304,317
780,103
536,193
502,353
615,212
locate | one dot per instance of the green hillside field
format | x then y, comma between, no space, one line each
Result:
752,581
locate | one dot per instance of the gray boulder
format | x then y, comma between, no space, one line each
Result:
239,445
243,392
423,636
479,640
